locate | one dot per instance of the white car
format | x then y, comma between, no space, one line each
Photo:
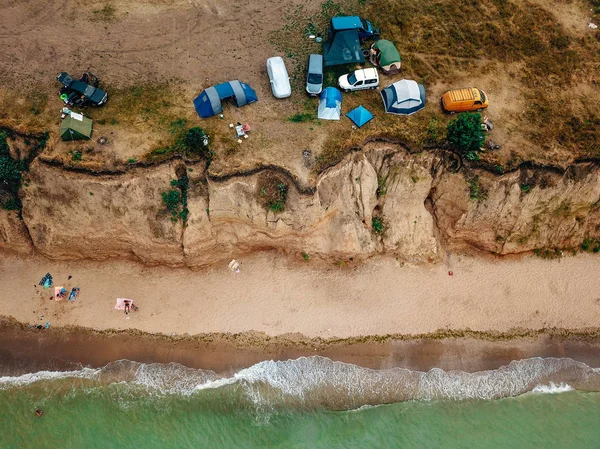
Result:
359,79
278,75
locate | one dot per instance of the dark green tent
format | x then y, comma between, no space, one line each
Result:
387,57
76,127
344,48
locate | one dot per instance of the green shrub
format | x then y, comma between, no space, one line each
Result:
590,245
196,141
12,204
377,225
465,135
171,200
4,148
10,173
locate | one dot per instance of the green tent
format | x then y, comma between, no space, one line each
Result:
76,127
387,57
344,48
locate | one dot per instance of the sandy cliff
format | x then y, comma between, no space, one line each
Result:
424,206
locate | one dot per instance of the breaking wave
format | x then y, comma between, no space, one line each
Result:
320,382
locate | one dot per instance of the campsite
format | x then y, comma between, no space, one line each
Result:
153,75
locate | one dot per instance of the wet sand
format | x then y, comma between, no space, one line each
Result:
23,349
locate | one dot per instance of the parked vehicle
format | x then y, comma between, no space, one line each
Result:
278,75
344,23
359,79
79,92
314,75
463,100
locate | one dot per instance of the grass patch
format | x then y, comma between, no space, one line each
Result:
476,190
108,13
272,191
548,253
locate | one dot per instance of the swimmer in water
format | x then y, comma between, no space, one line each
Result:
39,412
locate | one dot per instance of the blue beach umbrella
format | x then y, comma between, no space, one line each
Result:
360,116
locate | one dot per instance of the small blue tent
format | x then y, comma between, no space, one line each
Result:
360,116
330,104
208,103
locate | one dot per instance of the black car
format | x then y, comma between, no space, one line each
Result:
79,92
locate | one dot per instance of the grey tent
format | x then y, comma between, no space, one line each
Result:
76,127
344,48
404,97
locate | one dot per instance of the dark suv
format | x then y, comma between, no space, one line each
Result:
79,92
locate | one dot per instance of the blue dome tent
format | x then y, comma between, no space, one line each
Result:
330,104
360,116
208,103
404,97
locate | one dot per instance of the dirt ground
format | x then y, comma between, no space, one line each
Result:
155,56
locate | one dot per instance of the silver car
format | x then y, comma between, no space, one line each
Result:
278,75
314,75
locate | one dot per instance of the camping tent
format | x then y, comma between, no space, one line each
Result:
208,103
404,97
386,57
343,49
76,127
359,116
330,104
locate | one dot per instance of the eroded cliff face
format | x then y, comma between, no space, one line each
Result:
424,206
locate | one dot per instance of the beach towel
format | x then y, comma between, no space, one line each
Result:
59,293
74,293
120,305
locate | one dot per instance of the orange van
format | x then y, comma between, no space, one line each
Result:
462,100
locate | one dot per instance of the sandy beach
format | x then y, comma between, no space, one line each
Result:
277,296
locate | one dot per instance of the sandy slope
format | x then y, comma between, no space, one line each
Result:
275,296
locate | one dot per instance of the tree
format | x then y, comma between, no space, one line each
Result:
196,141
465,135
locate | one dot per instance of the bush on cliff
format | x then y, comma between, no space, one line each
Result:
196,141
465,135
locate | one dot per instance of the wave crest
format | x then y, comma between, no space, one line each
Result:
319,381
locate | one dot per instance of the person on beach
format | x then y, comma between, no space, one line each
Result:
129,305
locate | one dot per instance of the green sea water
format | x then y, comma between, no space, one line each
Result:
161,406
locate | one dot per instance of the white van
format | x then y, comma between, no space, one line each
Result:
359,79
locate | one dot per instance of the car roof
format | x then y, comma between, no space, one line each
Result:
315,59
346,22
363,74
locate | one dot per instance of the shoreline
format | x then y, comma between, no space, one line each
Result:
24,350
379,314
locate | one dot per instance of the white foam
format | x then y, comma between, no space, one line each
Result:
552,388
319,381
30,378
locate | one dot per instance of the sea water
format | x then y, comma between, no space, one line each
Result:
305,403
